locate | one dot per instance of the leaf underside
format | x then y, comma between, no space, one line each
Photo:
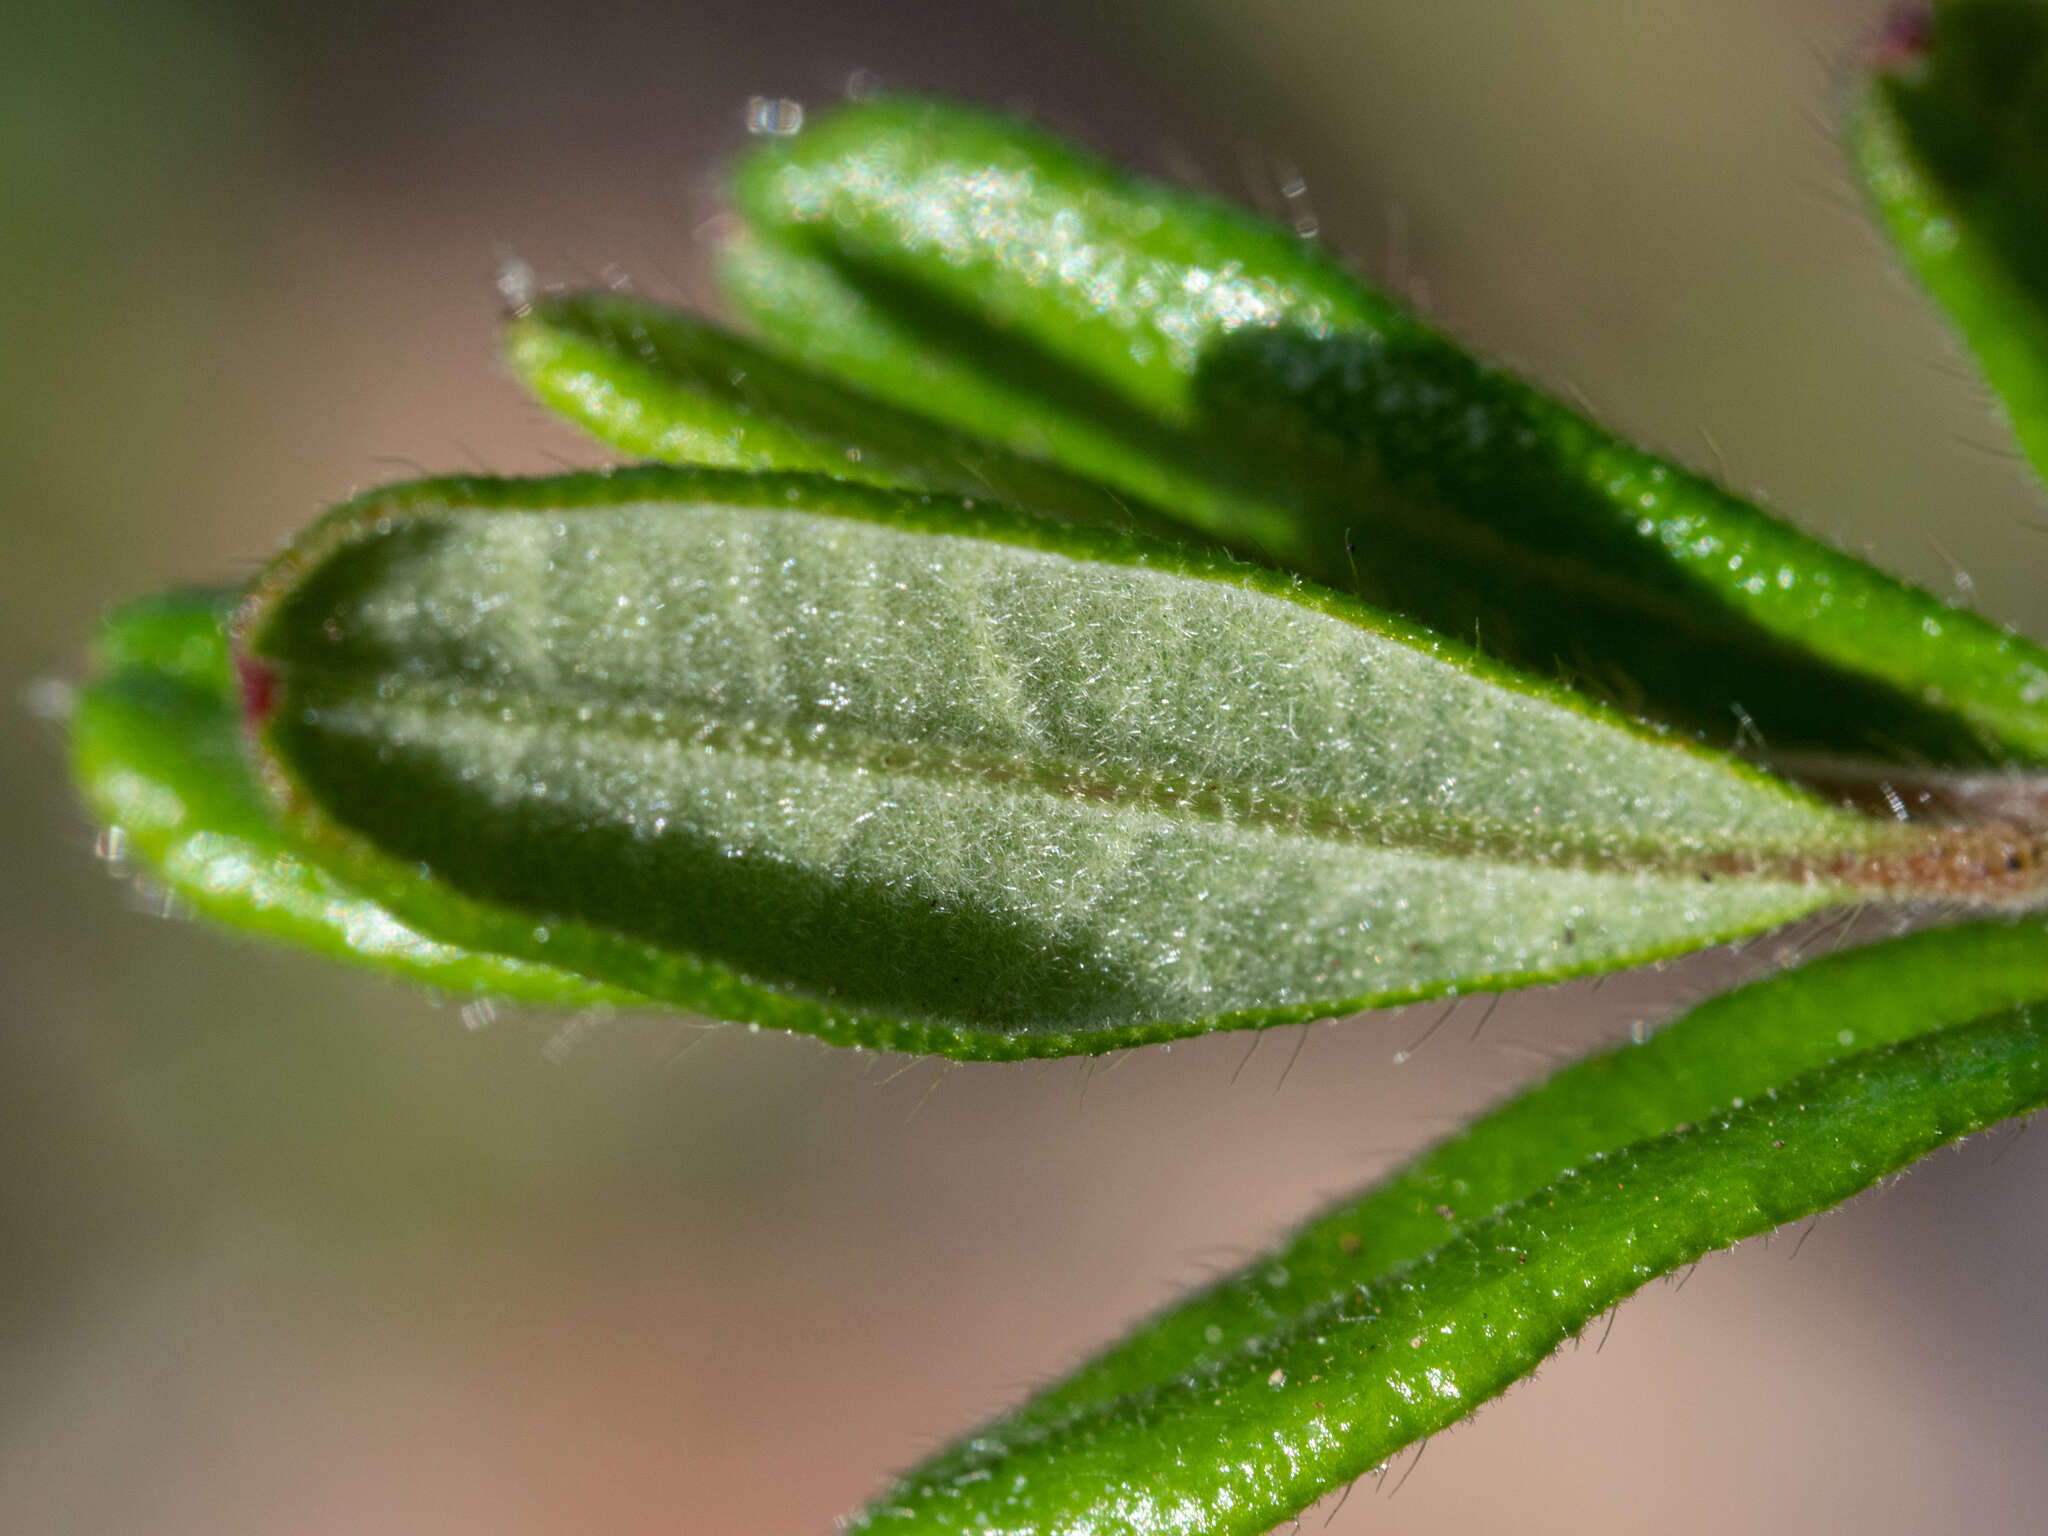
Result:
899,772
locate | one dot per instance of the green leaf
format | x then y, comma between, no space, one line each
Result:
1951,138
900,772
900,345
1220,367
1396,1315
157,759
1734,1048
663,384
180,636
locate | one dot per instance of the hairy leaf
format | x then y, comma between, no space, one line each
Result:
1748,1113
1737,1047
1217,366
897,771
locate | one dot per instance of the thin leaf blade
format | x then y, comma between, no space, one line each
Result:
1161,1435
1739,1047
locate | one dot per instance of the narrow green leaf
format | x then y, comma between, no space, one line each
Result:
1341,1375
1218,366
900,772
663,384
157,759
1951,138
1734,1048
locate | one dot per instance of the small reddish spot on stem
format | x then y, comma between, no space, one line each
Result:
257,684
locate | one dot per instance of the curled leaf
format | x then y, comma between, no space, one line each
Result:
900,772
1219,367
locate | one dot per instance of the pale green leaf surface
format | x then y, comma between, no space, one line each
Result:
896,772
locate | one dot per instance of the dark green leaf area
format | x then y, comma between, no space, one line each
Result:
1244,1446
1732,1048
157,757
665,384
1973,103
1462,497
1222,369
896,770
1951,138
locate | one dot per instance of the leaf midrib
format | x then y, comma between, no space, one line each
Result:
819,741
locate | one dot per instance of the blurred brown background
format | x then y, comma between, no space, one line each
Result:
286,1250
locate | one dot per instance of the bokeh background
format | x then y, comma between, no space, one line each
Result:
287,1250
